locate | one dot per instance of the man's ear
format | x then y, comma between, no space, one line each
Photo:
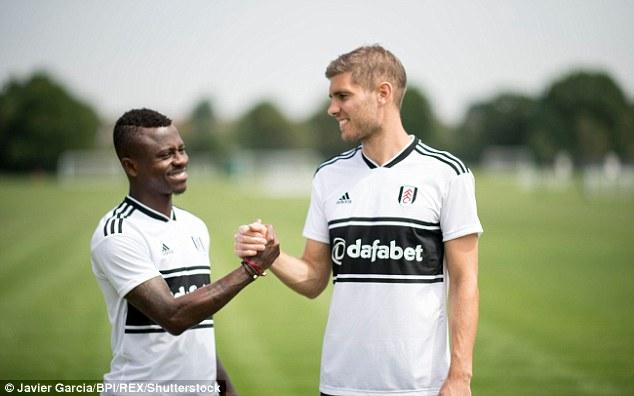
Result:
384,92
130,166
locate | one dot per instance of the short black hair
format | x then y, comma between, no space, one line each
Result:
128,125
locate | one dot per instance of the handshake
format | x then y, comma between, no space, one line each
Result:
257,245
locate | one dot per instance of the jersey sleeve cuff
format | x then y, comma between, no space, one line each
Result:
129,286
315,237
473,229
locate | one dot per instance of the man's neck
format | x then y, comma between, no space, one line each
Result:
160,203
385,144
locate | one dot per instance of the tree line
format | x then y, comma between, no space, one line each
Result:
584,113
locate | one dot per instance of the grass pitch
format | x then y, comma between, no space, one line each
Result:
556,284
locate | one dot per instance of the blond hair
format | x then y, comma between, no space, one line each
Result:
371,65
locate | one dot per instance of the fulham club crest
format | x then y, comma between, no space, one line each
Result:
407,195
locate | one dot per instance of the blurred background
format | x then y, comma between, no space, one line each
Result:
537,98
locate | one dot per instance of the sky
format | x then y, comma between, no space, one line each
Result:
168,55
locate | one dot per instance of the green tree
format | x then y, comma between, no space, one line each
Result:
265,127
201,131
324,132
586,114
627,134
504,120
418,117
39,120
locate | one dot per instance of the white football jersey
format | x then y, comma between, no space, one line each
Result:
131,245
387,328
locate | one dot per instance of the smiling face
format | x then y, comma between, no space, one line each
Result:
159,163
355,108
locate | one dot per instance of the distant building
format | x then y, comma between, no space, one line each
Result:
280,173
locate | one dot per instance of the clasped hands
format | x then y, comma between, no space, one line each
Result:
258,242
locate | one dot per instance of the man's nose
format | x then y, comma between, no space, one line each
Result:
181,158
333,109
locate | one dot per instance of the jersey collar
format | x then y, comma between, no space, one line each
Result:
149,211
400,156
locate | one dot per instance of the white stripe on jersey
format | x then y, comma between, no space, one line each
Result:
199,271
383,222
154,328
382,276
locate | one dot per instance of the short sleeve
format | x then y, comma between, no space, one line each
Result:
124,261
459,213
316,225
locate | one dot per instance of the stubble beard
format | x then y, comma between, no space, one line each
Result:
361,130
363,127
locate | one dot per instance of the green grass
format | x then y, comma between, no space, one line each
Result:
556,284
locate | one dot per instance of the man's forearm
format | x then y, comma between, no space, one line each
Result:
176,315
299,275
462,263
463,323
206,301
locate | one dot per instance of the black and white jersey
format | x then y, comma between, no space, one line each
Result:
131,245
387,328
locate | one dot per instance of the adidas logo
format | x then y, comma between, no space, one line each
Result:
345,199
166,250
